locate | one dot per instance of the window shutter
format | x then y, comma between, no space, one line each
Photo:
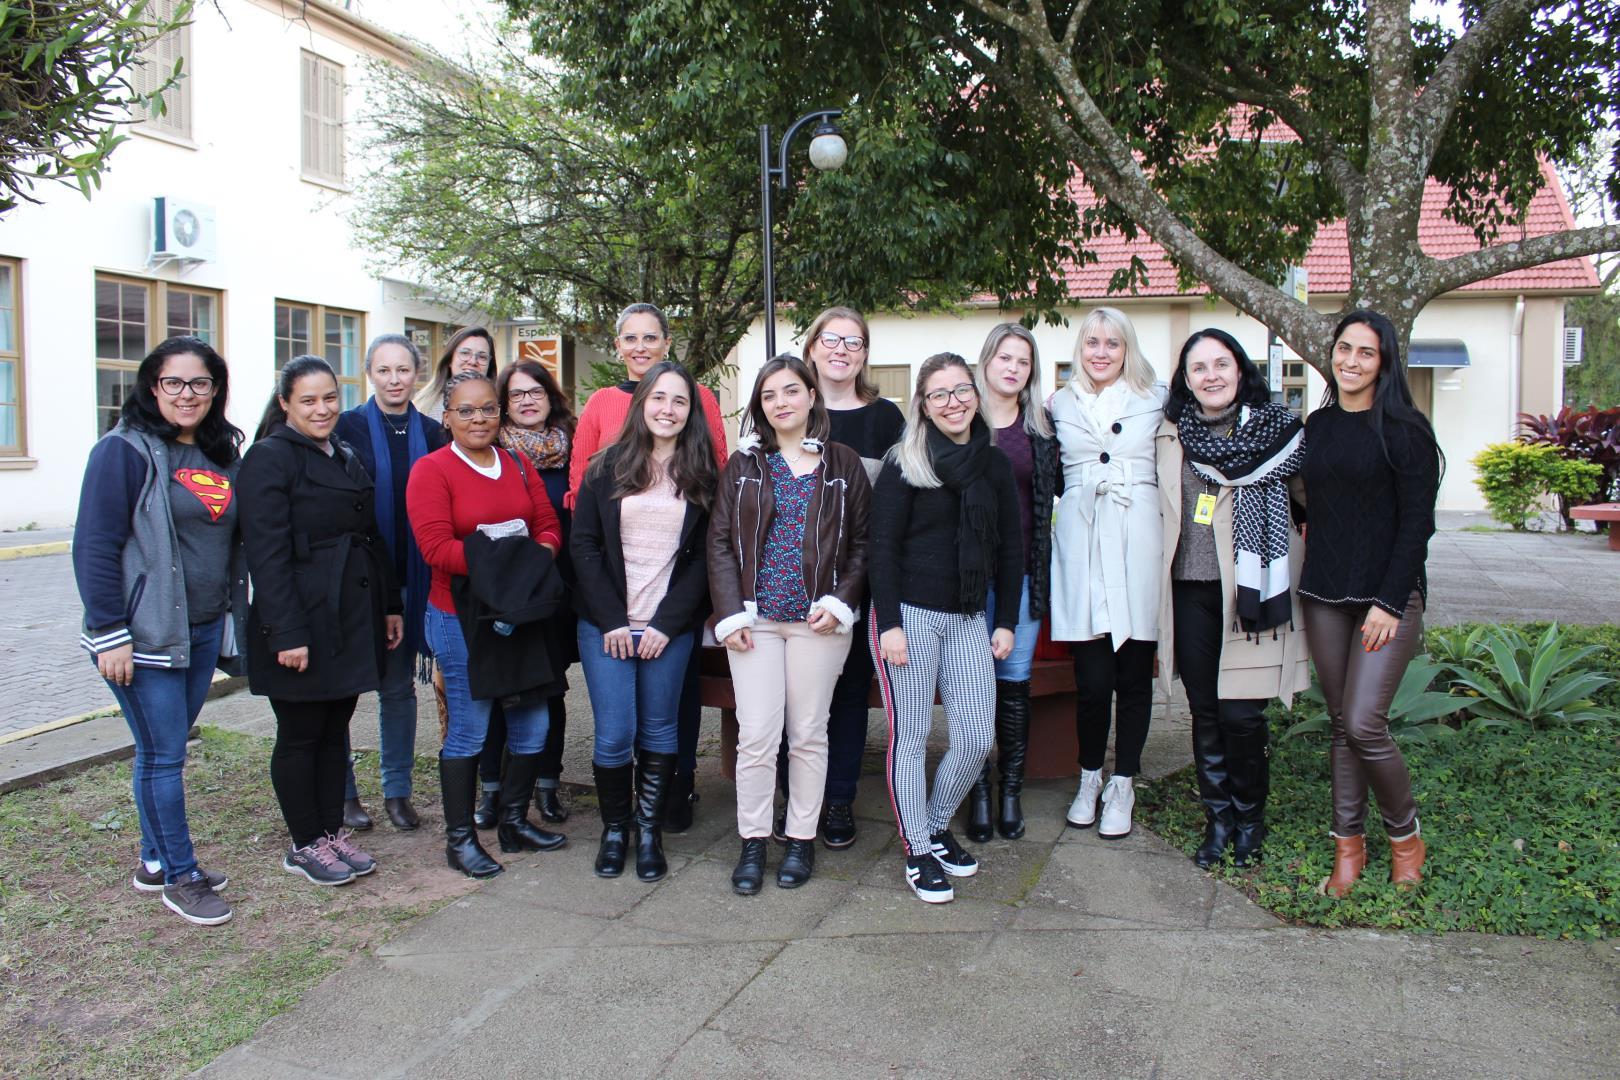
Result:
322,117
157,62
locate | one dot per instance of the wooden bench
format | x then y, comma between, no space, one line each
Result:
1609,512
1053,752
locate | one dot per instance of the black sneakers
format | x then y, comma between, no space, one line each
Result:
837,825
152,880
193,900
928,880
952,859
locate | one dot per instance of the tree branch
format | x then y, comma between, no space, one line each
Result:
1437,103
1448,274
1256,90
1071,32
1109,166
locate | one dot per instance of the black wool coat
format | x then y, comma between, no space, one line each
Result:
321,575
1045,486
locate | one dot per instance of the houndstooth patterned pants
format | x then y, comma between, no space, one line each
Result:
951,652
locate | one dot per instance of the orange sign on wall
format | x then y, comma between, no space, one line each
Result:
545,348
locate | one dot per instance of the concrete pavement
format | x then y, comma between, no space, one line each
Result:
1065,956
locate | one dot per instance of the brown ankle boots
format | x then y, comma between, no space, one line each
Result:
1349,859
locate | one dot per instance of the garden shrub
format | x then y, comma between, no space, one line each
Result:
1515,476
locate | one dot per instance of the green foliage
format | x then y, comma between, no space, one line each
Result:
1534,681
1522,835
65,72
1595,381
1483,676
1515,476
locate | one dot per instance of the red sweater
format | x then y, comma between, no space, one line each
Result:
447,499
603,419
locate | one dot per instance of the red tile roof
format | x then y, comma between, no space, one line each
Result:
1329,258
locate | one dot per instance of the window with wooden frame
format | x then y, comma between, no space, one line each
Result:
429,339
157,63
321,96
13,440
893,382
132,316
336,335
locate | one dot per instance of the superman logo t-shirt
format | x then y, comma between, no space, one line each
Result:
202,502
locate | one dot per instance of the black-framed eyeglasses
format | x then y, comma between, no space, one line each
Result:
854,343
467,412
174,386
534,393
966,393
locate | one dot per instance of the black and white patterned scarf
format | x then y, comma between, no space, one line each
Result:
1266,447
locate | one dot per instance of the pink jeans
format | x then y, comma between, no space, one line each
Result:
786,679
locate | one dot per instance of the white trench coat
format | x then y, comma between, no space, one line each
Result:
1107,538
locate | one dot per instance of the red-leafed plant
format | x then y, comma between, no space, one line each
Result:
1586,435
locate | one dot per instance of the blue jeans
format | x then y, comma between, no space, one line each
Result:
469,716
160,705
1016,667
396,724
636,702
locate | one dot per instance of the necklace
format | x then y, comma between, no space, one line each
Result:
402,428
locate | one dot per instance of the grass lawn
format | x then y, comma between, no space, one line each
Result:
100,980
1522,828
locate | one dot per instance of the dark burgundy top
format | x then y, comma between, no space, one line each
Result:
1014,442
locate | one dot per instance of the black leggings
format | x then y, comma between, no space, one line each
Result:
1118,685
309,764
489,761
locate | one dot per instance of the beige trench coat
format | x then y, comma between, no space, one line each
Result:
1268,665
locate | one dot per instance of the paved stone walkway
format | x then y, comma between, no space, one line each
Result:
1067,956
44,675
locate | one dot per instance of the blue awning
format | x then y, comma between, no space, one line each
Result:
1432,354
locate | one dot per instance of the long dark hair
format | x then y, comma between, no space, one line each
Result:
561,415
1252,388
692,467
1392,396
296,368
434,390
216,436
755,422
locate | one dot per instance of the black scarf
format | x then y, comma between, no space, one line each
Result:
1265,448
962,468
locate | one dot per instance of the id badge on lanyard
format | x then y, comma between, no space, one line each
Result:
1204,509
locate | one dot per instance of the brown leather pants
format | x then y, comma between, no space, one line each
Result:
1358,686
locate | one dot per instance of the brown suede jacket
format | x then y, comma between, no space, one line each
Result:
834,536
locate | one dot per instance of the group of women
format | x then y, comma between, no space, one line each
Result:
1156,530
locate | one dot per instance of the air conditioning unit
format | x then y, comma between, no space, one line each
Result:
182,231
1574,344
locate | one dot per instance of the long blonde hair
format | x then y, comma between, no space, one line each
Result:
1030,399
1137,372
911,452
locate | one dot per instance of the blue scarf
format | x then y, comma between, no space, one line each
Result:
417,578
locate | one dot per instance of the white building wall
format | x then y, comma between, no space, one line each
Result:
278,237
1471,407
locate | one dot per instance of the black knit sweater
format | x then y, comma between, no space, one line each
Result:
1370,520
913,552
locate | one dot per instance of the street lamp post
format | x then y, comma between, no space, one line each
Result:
827,151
